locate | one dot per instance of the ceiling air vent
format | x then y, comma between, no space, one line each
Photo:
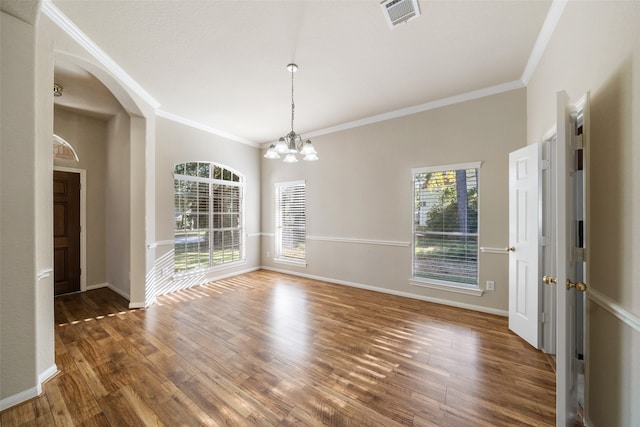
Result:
398,11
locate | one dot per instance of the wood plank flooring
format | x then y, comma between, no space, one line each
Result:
267,349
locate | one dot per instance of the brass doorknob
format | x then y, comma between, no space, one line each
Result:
580,286
548,280
510,249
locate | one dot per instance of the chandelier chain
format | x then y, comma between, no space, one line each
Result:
292,143
293,107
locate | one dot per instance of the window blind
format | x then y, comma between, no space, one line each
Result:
291,221
209,216
445,234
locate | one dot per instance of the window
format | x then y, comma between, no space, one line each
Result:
209,217
445,225
290,222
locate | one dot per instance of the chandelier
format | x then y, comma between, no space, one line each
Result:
291,144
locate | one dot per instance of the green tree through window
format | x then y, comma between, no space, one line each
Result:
445,237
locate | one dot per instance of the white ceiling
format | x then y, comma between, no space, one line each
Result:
223,63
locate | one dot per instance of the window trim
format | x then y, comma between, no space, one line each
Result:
443,285
243,234
278,258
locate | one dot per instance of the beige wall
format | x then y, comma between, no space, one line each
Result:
17,218
361,189
26,301
596,48
118,202
141,139
176,143
88,136
45,346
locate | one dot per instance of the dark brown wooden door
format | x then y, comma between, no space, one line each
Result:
66,232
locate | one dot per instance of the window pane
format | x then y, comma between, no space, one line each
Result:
291,221
217,172
203,170
448,258
191,169
446,226
208,217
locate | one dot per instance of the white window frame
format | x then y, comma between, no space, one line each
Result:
241,228
469,289
279,257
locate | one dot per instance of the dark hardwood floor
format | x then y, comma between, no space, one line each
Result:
267,349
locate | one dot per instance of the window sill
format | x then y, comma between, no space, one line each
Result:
449,287
201,271
290,261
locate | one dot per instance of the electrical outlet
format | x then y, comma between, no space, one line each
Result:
268,254
490,285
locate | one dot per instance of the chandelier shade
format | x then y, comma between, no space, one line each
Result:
292,144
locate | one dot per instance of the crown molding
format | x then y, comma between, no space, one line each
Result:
72,30
444,102
197,125
553,16
548,27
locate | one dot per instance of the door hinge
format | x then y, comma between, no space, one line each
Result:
543,317
544,241
578,142
545,164
578,254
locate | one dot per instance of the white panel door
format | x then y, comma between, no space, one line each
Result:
524,242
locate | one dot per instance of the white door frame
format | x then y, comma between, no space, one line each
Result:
548,231
570,262
83,221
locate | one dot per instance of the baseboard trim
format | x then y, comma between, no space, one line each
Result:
235,273
97,286
450,303
118,291
30,393
48,373
19,398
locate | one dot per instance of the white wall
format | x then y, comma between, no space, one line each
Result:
361,189
596,48
177,143
88,136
